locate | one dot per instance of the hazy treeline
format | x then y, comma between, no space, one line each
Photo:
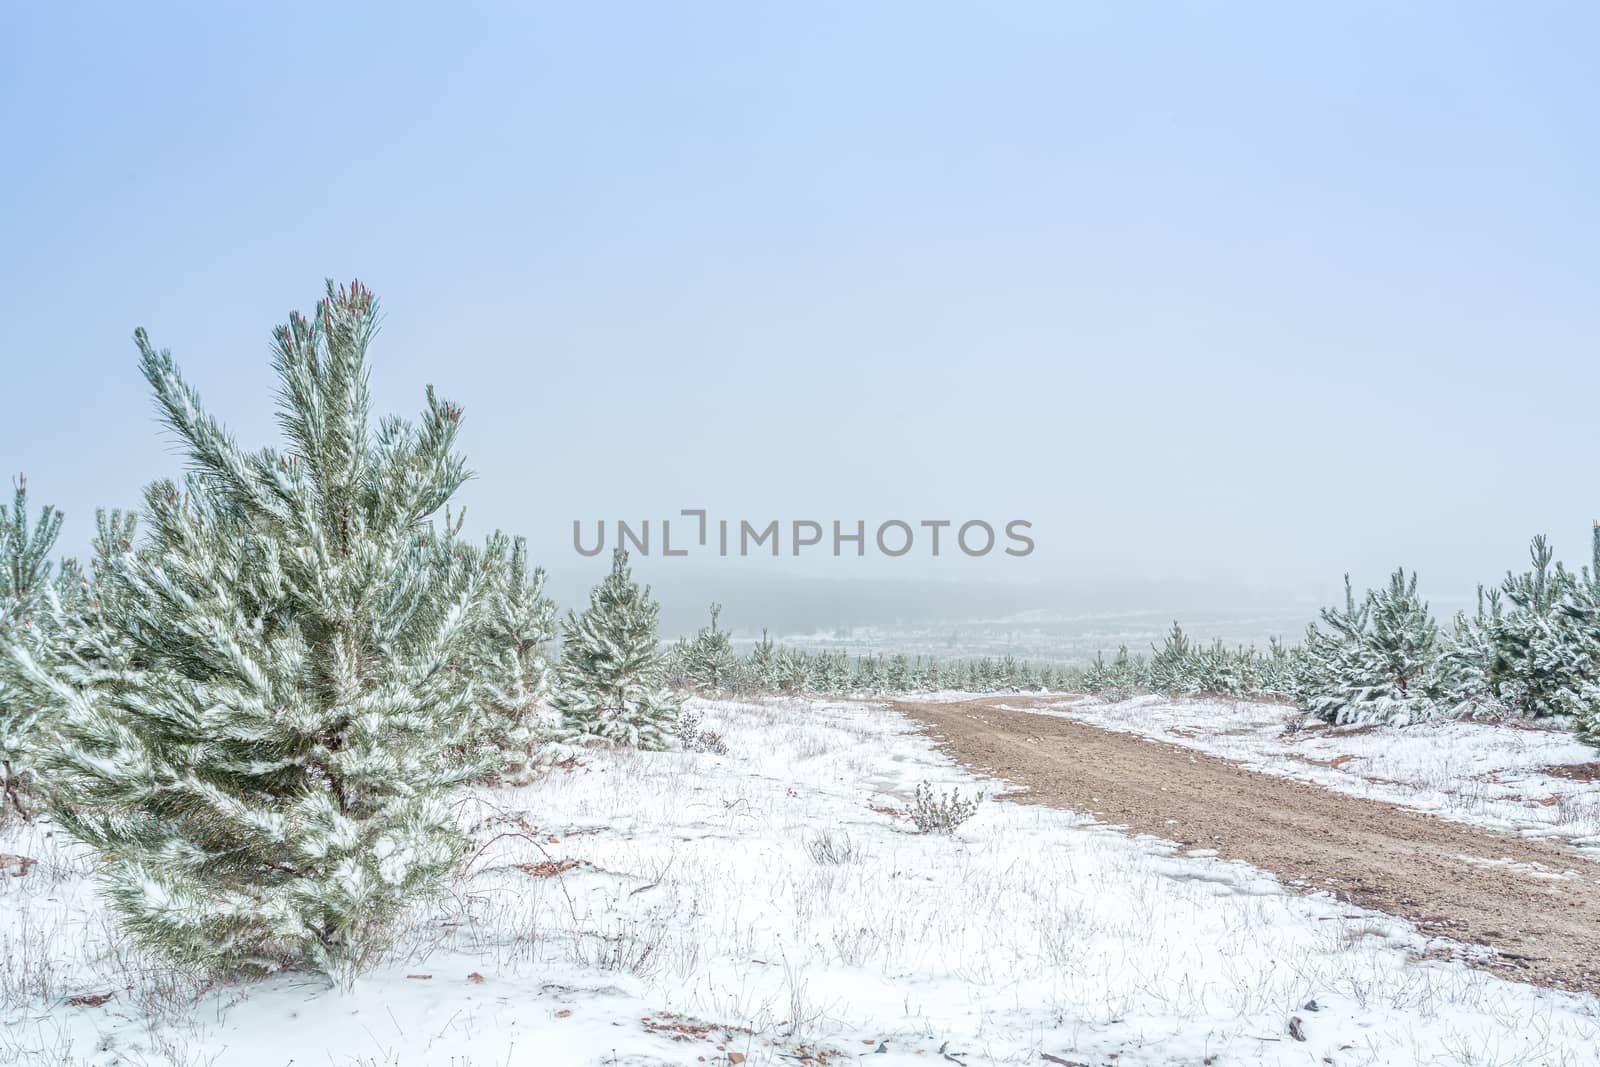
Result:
1530,649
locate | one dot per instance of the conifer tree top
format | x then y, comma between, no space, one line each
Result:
25,551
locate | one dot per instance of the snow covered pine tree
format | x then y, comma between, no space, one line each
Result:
1541,664
24,574
1377,661
710,658
518,624
610,685
764,671
267,770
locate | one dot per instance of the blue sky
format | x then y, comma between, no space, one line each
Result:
1226,292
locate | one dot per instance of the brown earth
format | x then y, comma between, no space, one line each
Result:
1575,772
1542,930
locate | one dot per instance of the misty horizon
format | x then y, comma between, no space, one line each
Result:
1147,283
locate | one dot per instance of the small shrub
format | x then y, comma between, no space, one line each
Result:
941,813
828,849
696,739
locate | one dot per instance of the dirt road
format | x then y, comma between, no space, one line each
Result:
1544,930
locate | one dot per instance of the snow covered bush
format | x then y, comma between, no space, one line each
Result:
610,686
940,813
697,738
263,715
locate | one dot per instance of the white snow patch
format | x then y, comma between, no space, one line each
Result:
695,921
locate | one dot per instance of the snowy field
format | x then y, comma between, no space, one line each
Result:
770,907
1492,774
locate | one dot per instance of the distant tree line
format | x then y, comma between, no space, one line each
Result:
1531,649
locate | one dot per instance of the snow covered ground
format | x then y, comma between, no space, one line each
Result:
770,907
1494,774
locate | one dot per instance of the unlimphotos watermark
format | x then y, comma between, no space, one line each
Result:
740,537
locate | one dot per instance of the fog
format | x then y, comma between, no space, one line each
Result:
1223,303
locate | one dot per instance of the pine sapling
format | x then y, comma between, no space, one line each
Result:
610,686
24,589
518,625
265,713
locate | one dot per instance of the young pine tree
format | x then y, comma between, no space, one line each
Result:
24,579
1377,661
1405,646
1333,653
1173,666
270,711
797,672
518,625
1540,662
897,674
710,656
834,673
868,675
1096,677
610,686
1469,658
1580,607
765,668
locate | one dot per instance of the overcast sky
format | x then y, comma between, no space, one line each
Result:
1221,293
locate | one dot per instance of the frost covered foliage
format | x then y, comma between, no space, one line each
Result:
611,687
1125,674
1174,666
518,625
263,715
1576,640
1542,663
940,813
1376,660
766,666
25,588
1469,659
1179,667
1531,649
709,660
697,738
